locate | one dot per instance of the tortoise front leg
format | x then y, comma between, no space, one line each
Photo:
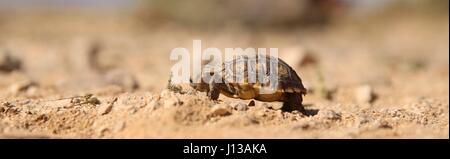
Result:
214,90
293,102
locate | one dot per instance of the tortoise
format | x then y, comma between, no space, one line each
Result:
289,90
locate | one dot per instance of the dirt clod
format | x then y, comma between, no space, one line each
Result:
220,110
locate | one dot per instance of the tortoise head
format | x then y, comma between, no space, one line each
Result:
202,86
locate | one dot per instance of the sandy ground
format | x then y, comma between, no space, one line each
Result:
386,79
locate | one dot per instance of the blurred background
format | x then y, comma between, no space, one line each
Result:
68,46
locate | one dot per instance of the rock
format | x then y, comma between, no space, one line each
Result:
172,101
220,110
9,63
107,107
329,115
252,103
239,106
21,86
276,106
365,94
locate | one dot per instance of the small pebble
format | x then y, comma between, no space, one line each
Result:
365,94
220,110
239,106
329,114
276,106
105,108
252,103
21,86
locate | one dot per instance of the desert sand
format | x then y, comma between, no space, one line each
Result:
382,79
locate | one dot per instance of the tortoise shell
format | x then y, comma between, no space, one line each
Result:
246,77
240,75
